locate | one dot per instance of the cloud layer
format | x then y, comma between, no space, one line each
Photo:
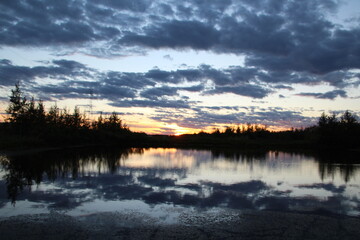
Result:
283,42
284,35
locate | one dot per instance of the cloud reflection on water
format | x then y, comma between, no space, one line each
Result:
189,178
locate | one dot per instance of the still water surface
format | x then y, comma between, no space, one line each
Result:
159,181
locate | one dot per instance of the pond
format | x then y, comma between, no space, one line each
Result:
163,182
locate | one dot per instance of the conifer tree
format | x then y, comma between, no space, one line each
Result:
18,105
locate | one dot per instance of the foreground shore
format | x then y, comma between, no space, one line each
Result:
190,225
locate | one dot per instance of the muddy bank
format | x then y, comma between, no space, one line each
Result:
189,225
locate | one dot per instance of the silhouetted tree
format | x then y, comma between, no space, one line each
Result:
229,131
335,133
18,105
348,118
30,120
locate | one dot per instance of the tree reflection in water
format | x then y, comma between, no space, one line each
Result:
344,163
194,178
22,171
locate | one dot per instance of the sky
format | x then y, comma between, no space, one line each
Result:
173,67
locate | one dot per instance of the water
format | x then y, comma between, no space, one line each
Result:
165,182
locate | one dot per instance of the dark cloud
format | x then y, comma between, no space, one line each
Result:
111,84
281,117
283,87
197,88
9,74
151,103
328,95
130,5
248,90
86,90
161,76
256,33
127,79
175,34
60,69
156,93
203,117
200,118
158,88
279,36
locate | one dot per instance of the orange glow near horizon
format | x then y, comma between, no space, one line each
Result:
159,128
174,129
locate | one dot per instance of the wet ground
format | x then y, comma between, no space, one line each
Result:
189,225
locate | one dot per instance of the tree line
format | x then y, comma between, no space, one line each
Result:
28,118
333,131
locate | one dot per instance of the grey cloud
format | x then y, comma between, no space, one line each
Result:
156,93
201,118
218,77
69,64
161,76
184,12
328,95
212,11
51,23
130,5
175,34
10,74
208,116
115,93
159,88
165,9
248,90
128,79
197,88
233,80
168,57
84,89
342,79
259,33
284,87
62,69
279,36
271,7
151,103
190,75
32,33
279,115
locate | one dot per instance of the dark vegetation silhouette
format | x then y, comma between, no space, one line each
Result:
29,125
331,133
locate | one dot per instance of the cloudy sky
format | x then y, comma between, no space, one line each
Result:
174,66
